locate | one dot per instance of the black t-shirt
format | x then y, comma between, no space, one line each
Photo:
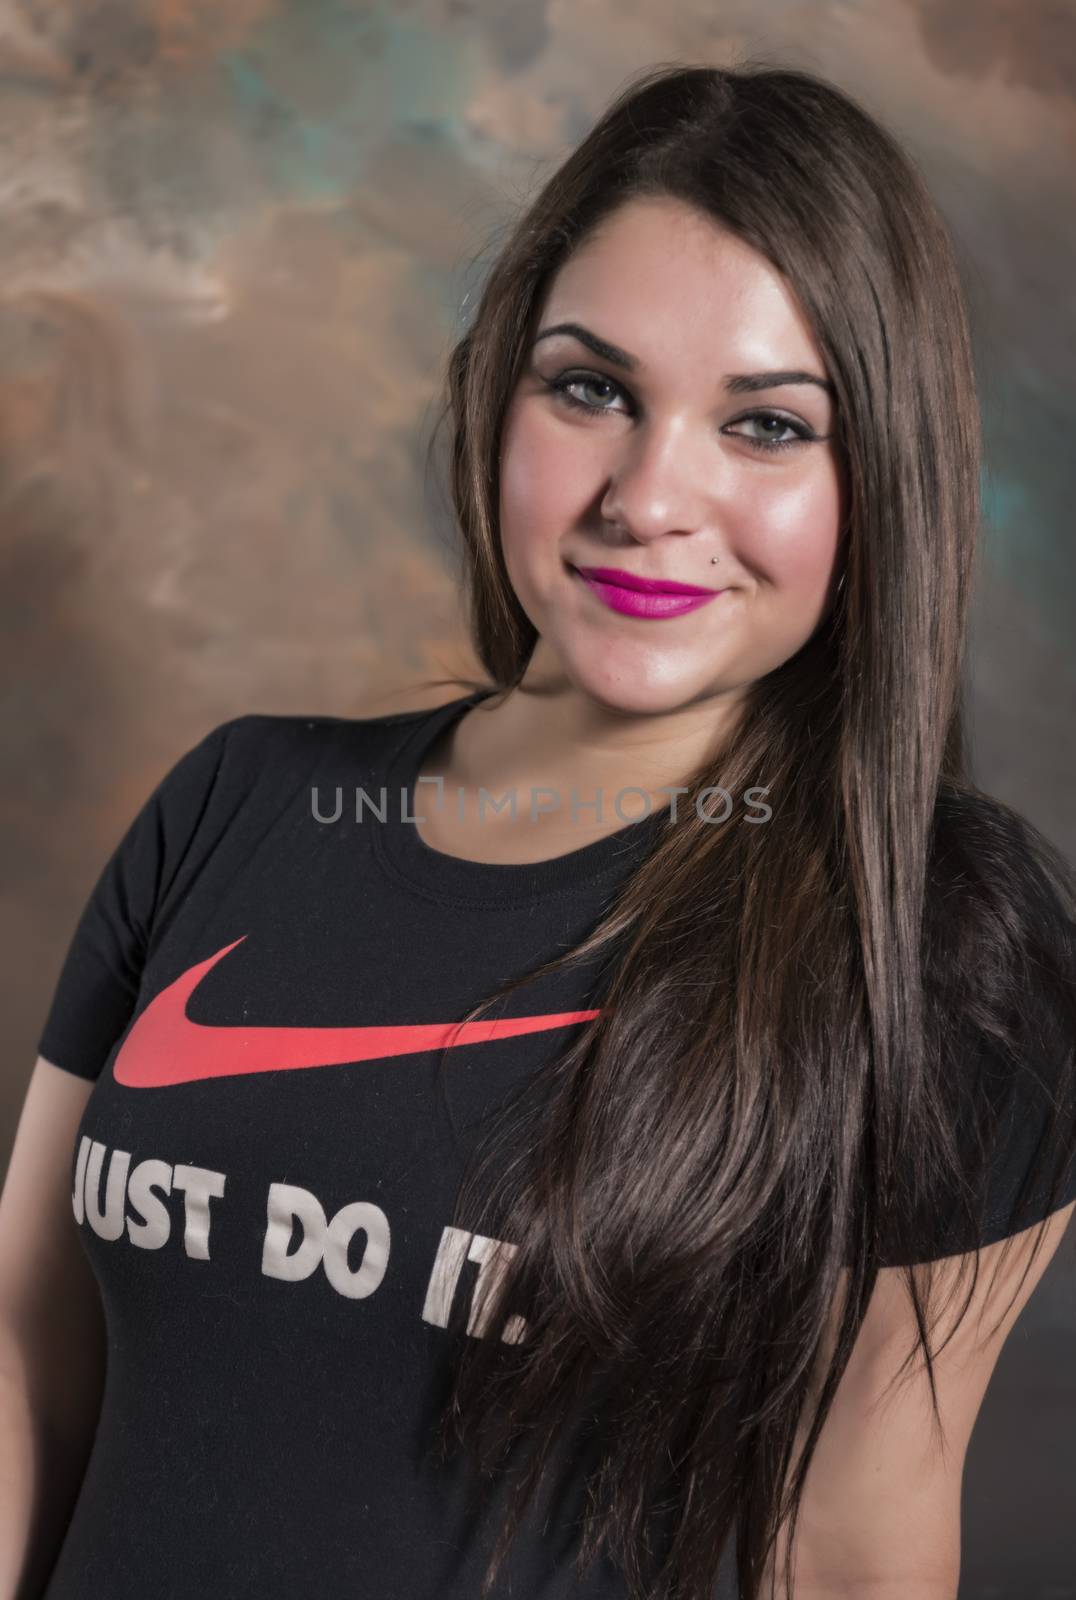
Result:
266,1168
265,1174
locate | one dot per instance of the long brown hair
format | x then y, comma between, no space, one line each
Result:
766,1110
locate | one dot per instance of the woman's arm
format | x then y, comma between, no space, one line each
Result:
880,1515
52,1335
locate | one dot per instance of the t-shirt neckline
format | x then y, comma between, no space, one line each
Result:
403,853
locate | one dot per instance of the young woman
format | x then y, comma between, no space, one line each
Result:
664,1100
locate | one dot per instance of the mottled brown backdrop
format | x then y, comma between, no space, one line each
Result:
236,240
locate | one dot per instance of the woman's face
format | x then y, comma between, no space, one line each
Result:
678,461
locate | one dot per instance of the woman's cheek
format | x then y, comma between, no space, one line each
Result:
525,514
791,539
520,521
545,488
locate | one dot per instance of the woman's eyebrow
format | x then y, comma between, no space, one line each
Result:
735,383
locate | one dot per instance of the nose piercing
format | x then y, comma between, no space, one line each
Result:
713,561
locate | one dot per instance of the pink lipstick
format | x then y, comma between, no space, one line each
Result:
643,597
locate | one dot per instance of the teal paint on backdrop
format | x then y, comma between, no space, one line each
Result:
310,145
1005,507
420,63
1020,549
305,160
315,151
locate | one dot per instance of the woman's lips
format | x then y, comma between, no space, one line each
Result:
642,603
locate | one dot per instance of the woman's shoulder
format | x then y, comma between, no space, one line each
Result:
1000,979
1000,927
260,733
988,857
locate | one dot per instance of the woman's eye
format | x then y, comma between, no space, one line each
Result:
568,381
800,432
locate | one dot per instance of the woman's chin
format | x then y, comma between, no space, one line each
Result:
631,692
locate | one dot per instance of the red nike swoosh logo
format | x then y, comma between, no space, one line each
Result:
165,1046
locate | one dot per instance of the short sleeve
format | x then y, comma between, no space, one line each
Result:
98,983
1017,1135
1034,1171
